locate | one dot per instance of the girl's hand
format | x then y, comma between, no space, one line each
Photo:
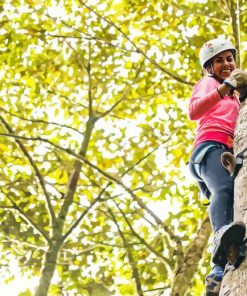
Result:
237,79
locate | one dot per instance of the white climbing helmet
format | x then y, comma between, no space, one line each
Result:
212,48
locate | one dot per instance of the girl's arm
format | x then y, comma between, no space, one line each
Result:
206,94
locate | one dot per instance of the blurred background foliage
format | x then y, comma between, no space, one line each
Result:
128,67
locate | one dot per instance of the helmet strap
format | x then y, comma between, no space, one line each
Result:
212,74
212,69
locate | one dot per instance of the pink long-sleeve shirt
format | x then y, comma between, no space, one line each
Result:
216,116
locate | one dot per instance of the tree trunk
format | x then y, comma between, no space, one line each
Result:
235,282
188,267
57,239
49,267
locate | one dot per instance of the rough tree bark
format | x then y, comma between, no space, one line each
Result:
235,282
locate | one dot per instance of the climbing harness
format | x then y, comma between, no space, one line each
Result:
198,155
194,165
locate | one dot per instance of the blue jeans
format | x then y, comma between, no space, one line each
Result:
214,182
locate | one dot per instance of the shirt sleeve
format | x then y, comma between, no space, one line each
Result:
204,96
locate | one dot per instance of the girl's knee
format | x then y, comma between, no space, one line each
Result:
225,191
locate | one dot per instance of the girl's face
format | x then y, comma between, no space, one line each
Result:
223,65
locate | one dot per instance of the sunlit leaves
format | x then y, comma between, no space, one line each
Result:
63,63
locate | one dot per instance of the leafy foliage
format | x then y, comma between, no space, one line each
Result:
114,76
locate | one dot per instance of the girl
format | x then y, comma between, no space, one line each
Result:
215,106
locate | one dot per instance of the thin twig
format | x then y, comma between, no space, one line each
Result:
135,46
125,93
102,172
135,271
80,218
88,68
26,217
40,121
33,165
109,184
164,260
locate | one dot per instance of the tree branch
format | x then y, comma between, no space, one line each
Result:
80,218
158,289
7,207
132,263
109,177
25,216
224,8
86,36
124,96
164,260
40,121
171,235
90,38
18,242
233,7
33,165
189,265
74,177
103,173
200,13
88,68
170,74
68,100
